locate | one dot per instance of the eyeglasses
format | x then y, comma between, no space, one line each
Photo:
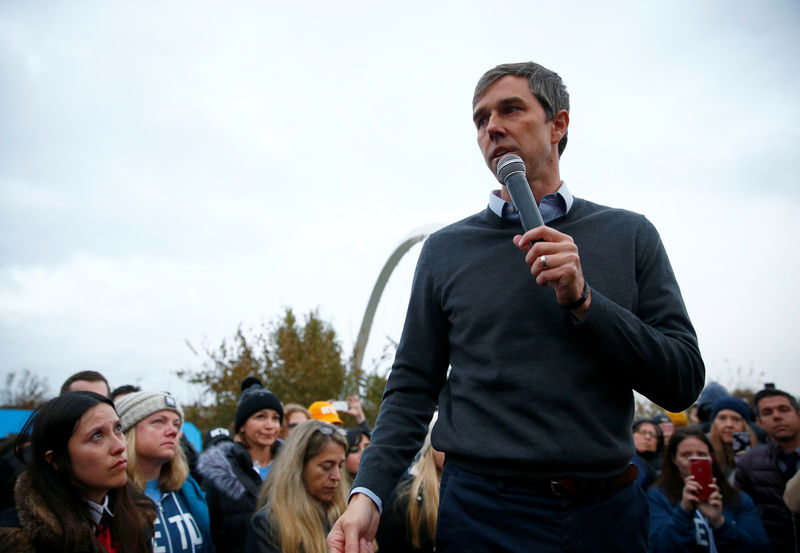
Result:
647,433
291,425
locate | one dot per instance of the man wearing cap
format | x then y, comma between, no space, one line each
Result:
764,471
324,411
216,436
546,335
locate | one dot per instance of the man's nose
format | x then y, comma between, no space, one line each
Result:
494,126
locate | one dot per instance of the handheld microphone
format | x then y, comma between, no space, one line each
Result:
511,170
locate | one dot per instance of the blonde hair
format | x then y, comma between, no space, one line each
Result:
423,493
724,452
288,410
296,514
173,473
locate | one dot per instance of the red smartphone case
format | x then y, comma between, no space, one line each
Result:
701,470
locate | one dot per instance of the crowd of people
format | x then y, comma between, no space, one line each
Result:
527,331
113,475
97,470
750,500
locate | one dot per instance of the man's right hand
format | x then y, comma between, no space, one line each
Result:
356,528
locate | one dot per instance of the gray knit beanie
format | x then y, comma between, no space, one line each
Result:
134,407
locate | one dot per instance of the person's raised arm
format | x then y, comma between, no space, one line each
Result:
651,341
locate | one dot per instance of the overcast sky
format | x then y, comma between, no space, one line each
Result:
171,170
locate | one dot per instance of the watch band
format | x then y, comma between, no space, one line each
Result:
580,301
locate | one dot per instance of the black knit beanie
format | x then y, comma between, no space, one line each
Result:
254,398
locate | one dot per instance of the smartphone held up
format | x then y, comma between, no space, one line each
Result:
340,405
741,442
701,470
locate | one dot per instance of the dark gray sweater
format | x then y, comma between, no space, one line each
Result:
533,392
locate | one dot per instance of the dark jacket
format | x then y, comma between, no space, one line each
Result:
10,469
231,485
758,475
673,530
647,468
262,535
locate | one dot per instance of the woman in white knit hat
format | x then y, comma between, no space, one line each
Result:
156,464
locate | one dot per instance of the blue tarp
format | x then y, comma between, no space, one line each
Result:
12,421
194,435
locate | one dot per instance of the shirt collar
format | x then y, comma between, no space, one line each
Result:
97,511
551,207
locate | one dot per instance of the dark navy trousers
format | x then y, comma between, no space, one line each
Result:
478,514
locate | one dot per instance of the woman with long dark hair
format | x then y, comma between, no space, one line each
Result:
74,495
304,493
726,521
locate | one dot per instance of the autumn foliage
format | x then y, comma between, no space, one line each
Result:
299,362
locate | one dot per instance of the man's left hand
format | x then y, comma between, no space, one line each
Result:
554,261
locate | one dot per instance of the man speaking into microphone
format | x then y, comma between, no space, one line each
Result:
547,332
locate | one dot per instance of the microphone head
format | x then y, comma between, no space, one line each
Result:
509,164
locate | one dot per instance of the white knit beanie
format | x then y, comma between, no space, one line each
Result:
132,408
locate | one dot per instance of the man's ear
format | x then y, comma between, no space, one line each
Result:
48,456
560,123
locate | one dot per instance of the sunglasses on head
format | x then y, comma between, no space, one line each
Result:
328,430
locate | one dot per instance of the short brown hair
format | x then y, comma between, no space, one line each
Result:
545,85
89,376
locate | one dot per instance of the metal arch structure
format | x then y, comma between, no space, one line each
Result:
375,298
